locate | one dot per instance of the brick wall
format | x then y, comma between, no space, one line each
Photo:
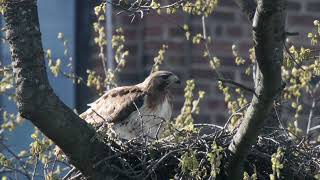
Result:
227,26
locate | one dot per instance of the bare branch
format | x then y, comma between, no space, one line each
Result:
314,128
238,85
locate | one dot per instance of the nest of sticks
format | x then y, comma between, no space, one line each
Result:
162,159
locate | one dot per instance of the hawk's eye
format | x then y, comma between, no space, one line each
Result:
165,76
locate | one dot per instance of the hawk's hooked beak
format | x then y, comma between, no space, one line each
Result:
174,79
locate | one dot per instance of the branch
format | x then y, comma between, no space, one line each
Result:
36,100
313,106
314,128
248,7
238,85
268,33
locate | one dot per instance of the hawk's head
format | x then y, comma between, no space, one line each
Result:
161,80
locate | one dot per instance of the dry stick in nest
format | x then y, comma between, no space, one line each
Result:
153,167
208,125
201,144
237,113
279,120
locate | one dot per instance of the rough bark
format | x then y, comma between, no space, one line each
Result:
268,35
248,7
35,98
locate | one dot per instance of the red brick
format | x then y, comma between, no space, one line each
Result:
228,74
202,118
201,86
132,48
216,104
220,119
313,6
203,74
176,61
131,62
218,31
130,34
234,31
199,61
163,19
130,78
302,20
228,3
177,105
147,60
176,46
152,45
244,47
176,32
222,47
227,61
127,20
293,6
220,16
155,31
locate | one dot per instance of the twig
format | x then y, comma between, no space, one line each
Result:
291,57
34,169
311,116
16,170
204,28
69,173
271,139
292,34
279,120
152,168
54,163
18,159
208,125
314,128
76,176
238,85
314,102
110,157
232,115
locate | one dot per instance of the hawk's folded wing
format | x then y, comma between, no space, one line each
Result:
115,106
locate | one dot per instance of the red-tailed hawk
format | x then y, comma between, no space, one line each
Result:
135,111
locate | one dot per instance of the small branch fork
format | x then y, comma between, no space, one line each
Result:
140,7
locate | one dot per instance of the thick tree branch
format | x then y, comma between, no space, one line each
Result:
248,7
35,98
268,35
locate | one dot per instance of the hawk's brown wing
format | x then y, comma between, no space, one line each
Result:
115,106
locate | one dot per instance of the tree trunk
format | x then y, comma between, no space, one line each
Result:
35,98
268,35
